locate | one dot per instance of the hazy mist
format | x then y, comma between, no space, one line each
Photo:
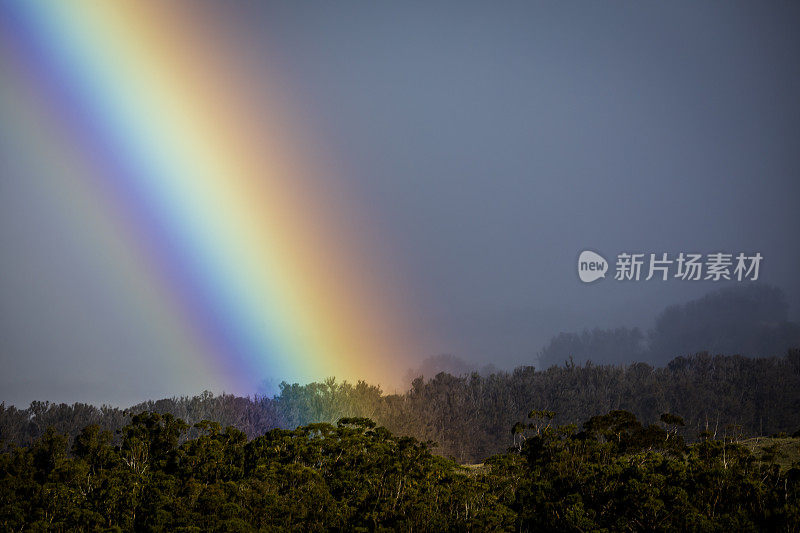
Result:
490,144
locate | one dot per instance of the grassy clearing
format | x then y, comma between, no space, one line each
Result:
784,451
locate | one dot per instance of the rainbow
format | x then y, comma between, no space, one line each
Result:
200,192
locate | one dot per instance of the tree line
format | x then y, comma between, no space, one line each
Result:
750,320
469,417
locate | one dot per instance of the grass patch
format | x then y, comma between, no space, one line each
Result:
784,451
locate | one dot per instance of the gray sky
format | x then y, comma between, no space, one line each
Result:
497,142
493,142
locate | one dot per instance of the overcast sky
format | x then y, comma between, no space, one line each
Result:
493,142
499,141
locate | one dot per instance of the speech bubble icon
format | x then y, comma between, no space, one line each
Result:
591,266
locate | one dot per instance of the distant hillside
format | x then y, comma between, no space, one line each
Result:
470,416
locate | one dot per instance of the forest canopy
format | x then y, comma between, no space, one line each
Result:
613,473
573,447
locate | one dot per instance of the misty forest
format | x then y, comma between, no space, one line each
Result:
595,440
399,266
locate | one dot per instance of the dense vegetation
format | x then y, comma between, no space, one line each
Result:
615,473
469,416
